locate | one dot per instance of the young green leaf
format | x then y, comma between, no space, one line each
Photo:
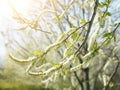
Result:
38,53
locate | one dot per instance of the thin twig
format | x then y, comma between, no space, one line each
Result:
116,27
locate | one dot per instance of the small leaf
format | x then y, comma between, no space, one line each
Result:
111,84
68,44
74,36
108,13
69,52
95,46
36,24
82,21
56,65
107,34
108,42
38,53
102,23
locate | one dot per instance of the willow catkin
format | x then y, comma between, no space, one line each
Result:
88,55
22,60
52,46
68,60
92,39
76,67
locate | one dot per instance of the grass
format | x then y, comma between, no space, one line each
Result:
4,85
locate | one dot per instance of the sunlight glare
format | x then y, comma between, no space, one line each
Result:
20,5
5,11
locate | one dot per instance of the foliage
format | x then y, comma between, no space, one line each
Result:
18,86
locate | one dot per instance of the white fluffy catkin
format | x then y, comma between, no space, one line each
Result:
92,39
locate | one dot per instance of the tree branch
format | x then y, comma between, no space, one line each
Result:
79,81
89,27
